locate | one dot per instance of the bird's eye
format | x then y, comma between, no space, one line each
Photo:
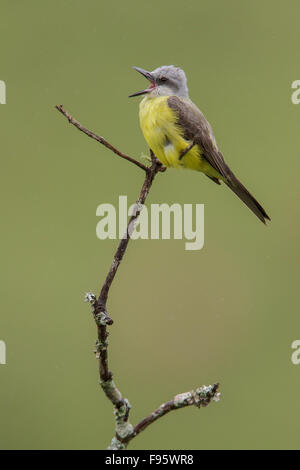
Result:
163,79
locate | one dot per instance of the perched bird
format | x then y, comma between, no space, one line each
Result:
180,136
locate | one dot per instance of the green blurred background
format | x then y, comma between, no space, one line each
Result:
227,313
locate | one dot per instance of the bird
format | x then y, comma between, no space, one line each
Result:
180,136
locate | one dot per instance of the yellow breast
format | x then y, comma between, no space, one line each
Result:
164,136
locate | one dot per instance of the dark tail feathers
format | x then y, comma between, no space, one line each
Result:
236,186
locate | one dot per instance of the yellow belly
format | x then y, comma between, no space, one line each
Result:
165,137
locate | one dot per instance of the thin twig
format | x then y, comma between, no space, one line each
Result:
202,396
150,175
124,430
98,138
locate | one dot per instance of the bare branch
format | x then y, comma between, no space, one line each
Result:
124,430
150,175
200,397
98,138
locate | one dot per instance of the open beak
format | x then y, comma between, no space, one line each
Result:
149,77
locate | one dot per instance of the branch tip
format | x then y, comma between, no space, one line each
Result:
99,139
90,297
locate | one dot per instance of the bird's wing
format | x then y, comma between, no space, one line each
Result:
196,128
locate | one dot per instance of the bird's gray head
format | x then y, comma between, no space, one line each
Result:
164,81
